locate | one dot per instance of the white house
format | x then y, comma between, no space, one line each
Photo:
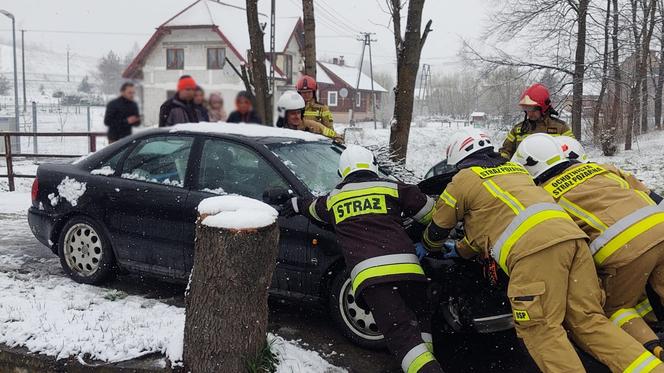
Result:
196,42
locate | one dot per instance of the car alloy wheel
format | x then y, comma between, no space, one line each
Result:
83,249
359,320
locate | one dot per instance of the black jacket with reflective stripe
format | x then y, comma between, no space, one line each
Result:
367,215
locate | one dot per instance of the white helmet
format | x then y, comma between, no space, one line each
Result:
465,143
290,100
572,149
356,158
538,153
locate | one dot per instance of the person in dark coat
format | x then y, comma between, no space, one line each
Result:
244,110
122,114
199,105
179,108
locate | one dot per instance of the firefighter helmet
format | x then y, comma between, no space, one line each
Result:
536,95
289,100
572,149
306,83
465,143
356,158
538,153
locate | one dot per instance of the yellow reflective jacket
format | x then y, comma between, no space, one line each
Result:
320,113
550,125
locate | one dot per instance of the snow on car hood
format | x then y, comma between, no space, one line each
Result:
243,129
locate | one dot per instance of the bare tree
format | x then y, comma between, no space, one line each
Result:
309,38
257,63
610,130
408,50
659,83
605,70
649,15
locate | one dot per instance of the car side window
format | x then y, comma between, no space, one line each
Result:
229,168
159,160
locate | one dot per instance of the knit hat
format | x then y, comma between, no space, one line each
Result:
186,82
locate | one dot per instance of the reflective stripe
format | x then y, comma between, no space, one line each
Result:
568,133
622,182
386,265
362,189
582,214
428,340
644,307
625,230
383,260
449,200
645,197
416,358
424,215
623,315
520,225
661,204
646,362
504,196
430,244
510,137
329,133
313,213
363,185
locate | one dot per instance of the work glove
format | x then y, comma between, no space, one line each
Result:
289,209
450,249
420,250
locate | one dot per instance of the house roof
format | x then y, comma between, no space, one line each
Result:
285,30
227,18
348,76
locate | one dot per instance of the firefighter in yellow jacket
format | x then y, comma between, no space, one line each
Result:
306,86
290,108
625,226
536,103
552,276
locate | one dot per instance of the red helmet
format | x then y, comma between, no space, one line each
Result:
306,83
536,95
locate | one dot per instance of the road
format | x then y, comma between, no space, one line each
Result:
22,253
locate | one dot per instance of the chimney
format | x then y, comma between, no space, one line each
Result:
335,61
341,61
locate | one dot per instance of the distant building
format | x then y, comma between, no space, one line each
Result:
336,80
197,41
478,117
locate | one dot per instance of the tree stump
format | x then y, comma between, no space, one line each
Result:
226,302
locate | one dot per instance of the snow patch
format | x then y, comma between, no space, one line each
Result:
293,358
249,130
14,202
104,171
68,189
236,212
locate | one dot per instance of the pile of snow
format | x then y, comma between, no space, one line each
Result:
104,171
293,358
249,130
15,202
68,189
236,212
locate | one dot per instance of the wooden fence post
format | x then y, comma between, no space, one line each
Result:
226,303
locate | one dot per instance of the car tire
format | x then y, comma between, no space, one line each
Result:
85,252
354,322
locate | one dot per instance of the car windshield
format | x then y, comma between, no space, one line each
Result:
314,163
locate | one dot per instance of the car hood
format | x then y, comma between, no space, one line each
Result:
436,184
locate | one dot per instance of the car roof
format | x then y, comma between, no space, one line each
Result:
246,132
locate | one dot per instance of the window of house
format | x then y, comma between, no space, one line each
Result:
358,99
288,68
175,59
332,98
216,58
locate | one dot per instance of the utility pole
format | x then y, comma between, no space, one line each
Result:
25,102
273,85
68,63
423,92
309,22
16,144
373,93
366,41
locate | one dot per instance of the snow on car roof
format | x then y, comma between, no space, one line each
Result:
243,129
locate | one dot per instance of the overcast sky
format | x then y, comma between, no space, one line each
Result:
92,27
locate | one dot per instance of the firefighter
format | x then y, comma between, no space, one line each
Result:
536,243
539,118
290,108
307,87
366,213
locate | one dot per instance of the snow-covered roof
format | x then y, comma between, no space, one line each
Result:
283,31
478,114
322,77
249,130
348,75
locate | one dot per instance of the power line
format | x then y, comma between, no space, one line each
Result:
333,17
321,20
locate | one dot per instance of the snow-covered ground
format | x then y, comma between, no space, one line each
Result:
46,312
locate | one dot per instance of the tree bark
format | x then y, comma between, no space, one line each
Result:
634,99
649,26
226,303
597,126
257,62
408,51
579,68
611,126
309,38
659,85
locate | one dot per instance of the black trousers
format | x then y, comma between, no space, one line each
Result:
402,313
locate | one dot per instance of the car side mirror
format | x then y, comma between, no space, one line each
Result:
276,196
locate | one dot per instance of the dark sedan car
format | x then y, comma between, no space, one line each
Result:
132,207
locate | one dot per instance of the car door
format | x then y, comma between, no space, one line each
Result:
228,167
145,205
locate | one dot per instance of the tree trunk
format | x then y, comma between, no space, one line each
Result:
611,126
649,26
605,67
659,86
408,51
579,69
309,38
226,303
634,99
257,63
